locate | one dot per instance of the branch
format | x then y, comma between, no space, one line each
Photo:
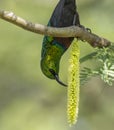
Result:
72,31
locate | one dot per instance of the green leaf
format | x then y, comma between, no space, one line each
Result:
105,59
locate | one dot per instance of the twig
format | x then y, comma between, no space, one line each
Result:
72,31
87,57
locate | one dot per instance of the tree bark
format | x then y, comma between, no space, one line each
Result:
72,31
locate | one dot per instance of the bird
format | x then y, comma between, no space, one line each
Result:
64,15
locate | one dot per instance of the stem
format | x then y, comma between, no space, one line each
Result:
87,57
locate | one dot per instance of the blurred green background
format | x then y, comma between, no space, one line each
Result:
29,100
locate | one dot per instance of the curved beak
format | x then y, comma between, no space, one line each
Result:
57,77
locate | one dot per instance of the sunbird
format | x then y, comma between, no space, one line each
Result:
64,15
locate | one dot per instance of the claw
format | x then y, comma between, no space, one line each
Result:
57,77
89,30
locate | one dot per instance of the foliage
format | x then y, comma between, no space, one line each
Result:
28,100
104,57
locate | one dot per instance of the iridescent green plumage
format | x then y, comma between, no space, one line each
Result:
51,55
53,48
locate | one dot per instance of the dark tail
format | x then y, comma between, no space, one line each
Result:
64,14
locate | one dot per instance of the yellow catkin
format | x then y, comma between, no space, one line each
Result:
73,84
